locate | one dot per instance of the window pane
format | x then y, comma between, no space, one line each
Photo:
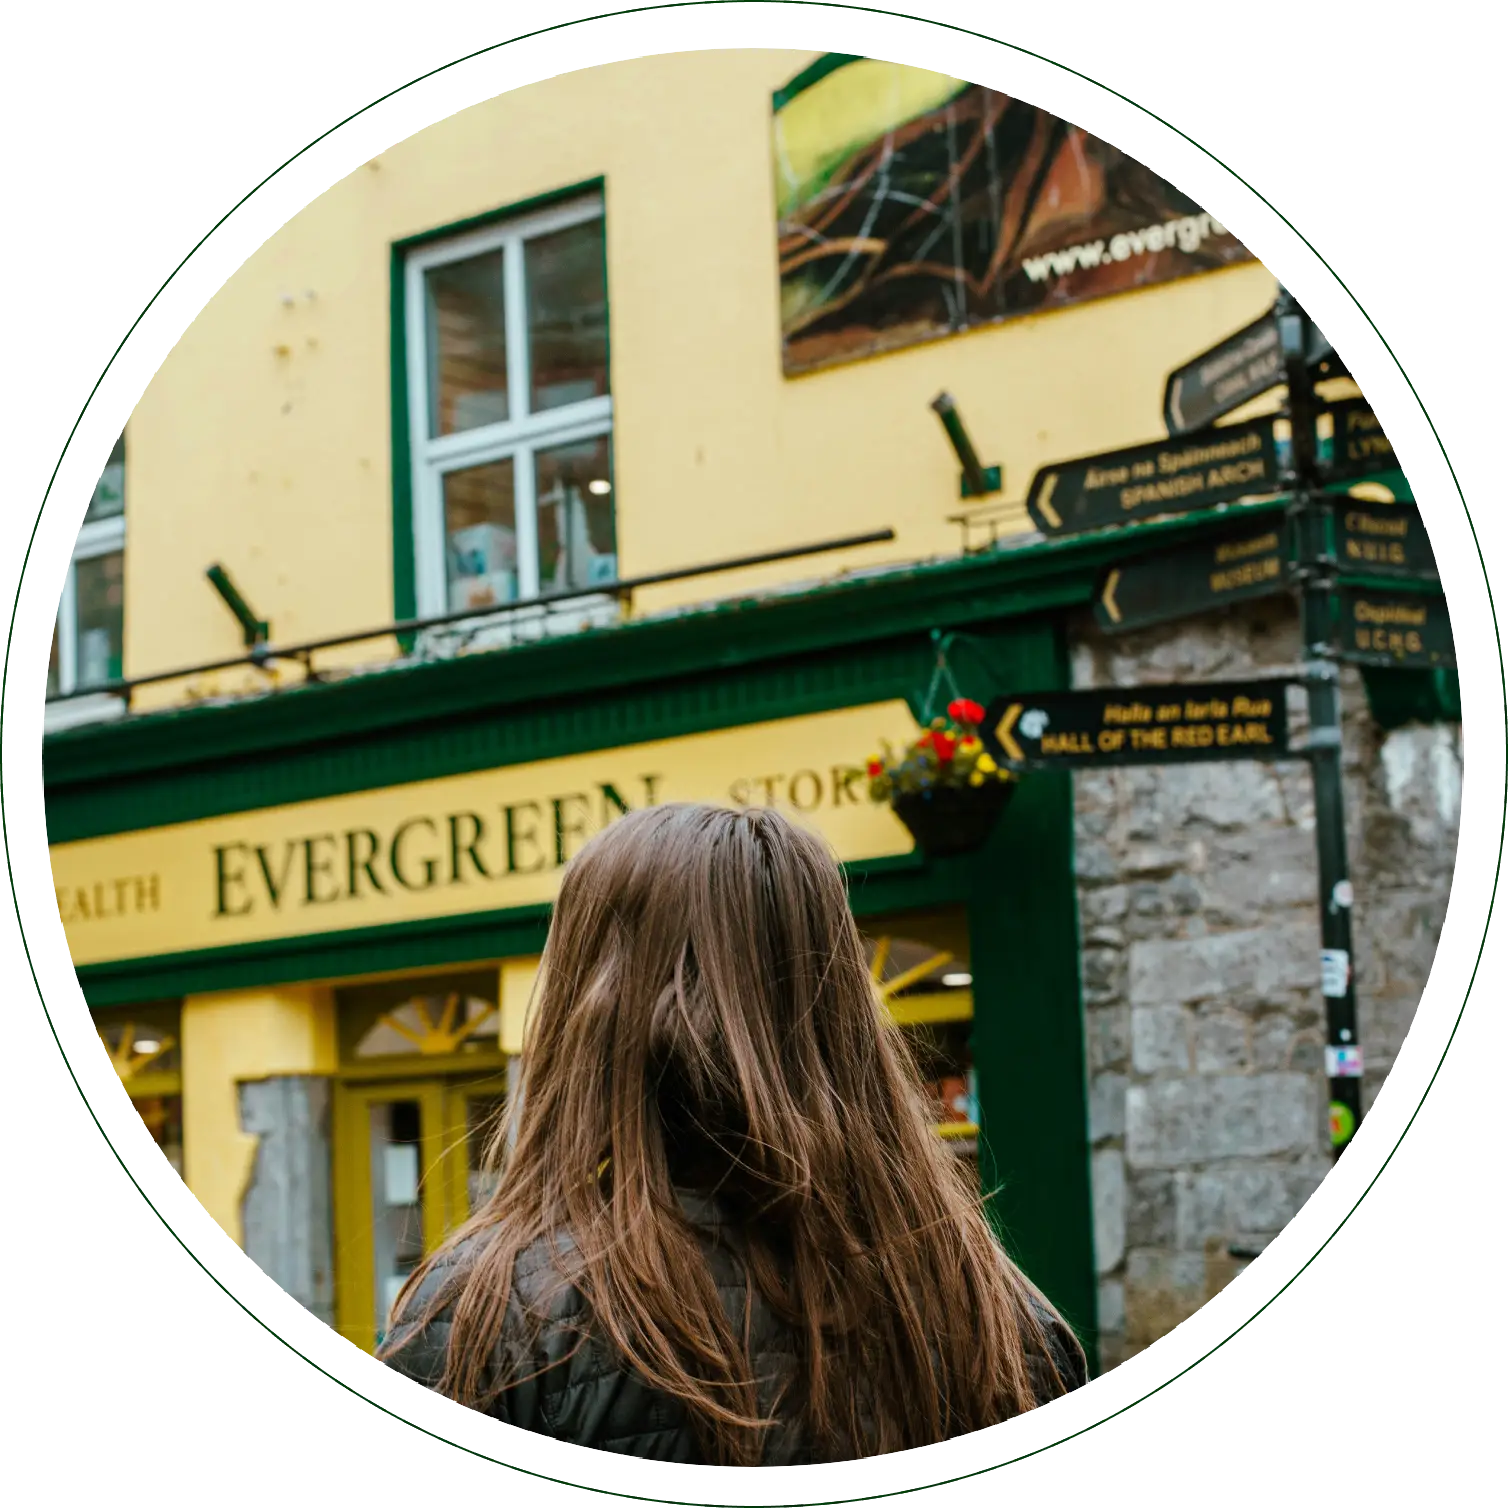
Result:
468,376
100,586
397,1200
107,493
421,1025
137,1048
578,542
481,539
54,684
566,275
164,1119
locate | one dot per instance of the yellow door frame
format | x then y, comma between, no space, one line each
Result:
355,1280
443,1183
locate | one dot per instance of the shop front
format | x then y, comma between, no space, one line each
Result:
309,925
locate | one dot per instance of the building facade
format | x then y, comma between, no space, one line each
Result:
571,343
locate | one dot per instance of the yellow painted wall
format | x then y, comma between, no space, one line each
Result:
263,442
227,1040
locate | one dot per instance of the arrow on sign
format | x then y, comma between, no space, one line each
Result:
1107,596
1003,730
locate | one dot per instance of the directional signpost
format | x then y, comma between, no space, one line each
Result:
1364,573
1239,369
1140,725
1194,578
1350,441
1384,539
1407,630
1147,481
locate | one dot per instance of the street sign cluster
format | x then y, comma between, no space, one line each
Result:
1363,572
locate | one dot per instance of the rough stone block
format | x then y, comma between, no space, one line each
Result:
1107,1106
1384,1020
1107,1033
1222,796
1223,1042
1307,1052
1162,1289
1181,1122
1241,1198
1107,1172
1161,1039
1271,870
1272,1039
1253,967
1092,823
1112,1308
1103,905
1154,861
1094,861
1152,1209
1102,968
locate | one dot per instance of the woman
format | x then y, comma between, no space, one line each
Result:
725,1231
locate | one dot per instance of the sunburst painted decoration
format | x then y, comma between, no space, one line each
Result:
133,1047
890,988
435,1035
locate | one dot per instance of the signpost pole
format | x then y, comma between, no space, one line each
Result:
1316,567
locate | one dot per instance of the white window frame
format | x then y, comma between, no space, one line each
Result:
519,437
104,536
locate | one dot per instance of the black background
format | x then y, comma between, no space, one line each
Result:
1081,712
130,131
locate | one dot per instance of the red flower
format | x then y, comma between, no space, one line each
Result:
944,745
970,714
874,769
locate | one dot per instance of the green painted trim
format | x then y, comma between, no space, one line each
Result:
1404,585
592,690
608,717
405,590
489,217
813,73
445,942
1397,697
1028,1034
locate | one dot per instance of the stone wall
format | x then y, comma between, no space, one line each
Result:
1199,922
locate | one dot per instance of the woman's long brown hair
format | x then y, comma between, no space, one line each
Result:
705,1019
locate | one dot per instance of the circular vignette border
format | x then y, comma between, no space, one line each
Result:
1385,1131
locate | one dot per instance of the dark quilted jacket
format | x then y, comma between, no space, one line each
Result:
590,1397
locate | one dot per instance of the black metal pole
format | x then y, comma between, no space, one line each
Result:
1316,567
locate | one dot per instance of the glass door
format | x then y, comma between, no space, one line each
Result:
389,1197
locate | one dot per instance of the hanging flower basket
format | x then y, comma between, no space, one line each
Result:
948,820
943,785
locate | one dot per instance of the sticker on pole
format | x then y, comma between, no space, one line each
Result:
1335,972
1342,1124
1343,1062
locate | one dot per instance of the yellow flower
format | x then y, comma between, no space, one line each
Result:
976,778
969,745
986,764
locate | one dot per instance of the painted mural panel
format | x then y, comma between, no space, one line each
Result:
912,205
